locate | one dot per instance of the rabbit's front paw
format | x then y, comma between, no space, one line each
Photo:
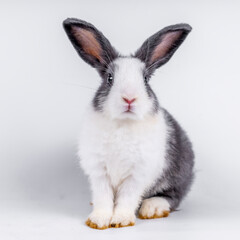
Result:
99,219
123,218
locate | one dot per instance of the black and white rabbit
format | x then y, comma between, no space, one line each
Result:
135,154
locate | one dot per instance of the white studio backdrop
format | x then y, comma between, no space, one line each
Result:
45,88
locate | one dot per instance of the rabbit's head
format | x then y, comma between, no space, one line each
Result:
125,92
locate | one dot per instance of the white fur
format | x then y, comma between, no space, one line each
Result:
154,205
122,155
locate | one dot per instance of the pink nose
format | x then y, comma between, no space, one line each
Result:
129,101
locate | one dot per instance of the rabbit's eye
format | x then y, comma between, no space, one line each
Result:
145,80
110,79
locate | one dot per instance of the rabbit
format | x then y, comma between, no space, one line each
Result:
138,159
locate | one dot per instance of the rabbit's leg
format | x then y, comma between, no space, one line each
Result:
126,202
154,207
102,198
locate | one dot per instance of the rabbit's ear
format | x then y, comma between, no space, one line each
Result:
160,47
90,43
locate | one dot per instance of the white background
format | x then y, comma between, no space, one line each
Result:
45,88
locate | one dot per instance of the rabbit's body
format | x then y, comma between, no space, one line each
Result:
133,151
155,152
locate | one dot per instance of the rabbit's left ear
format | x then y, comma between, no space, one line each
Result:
92,46
160,47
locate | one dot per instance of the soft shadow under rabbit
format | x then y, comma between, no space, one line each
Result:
135,154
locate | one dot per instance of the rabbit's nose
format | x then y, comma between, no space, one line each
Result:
129,101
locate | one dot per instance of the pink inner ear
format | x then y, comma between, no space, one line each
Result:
164,46
88,42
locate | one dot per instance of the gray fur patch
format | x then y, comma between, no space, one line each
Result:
177,178
153,97
104,89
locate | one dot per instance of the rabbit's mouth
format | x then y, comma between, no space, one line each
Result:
129,111
129,114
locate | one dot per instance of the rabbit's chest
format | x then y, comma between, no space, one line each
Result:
120,156
124,151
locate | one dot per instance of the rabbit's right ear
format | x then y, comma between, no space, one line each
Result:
90,43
